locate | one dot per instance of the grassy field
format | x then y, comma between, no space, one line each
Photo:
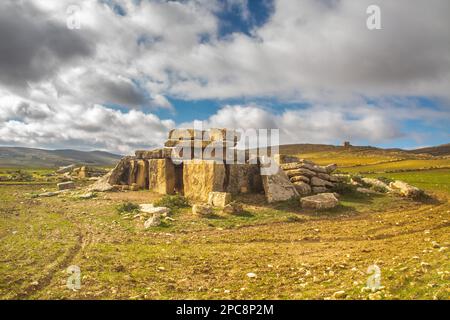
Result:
295,254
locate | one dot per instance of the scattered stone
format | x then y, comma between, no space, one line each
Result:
66,185
442,249
153,221
149,208
435,245
251,275
320,201
102,184
88,195
50,194
65,169
405,189
202,210
219,199
339,294
376,183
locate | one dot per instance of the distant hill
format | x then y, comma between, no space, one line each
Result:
442,150
41,158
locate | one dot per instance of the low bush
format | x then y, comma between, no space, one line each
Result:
127,207
173,202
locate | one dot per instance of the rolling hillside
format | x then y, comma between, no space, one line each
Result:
40,158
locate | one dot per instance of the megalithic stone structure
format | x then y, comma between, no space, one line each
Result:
194,163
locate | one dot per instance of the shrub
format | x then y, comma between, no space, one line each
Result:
173,202
127,207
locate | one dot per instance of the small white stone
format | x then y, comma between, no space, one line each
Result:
251,275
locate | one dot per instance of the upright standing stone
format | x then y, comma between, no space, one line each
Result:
132,172
200,177
161,176
142,174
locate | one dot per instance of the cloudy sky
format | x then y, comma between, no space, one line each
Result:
137,68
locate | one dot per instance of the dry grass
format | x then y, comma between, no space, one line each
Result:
296,254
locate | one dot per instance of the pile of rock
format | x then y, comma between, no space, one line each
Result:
373,185
307,177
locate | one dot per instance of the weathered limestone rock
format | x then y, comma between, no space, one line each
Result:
330,168
334,179
102,184
317,182
65,169
119,175
319,189
51,193
309,166
151,209
319,169
153,154
83,173
202,210
188,143
300,178
302,187
324,176
142,174
161,176
185,134
278,187
200,177
233,208
300,172
154,221
376,183
405,189
230,135
219,199
66,185
320,201
132,172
